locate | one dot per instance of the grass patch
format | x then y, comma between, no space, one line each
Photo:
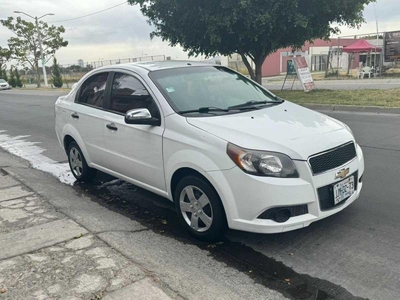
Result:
382,98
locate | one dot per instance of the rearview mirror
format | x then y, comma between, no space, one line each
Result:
141,116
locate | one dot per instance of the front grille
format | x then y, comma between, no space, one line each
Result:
332,159
294,211
326,197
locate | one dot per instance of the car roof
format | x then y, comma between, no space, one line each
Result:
158,65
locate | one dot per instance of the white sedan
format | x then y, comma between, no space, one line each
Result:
4,85
228,152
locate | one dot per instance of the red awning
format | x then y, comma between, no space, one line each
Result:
361,46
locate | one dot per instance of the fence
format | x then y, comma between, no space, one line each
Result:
71,73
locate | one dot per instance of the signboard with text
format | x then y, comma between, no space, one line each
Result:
392,46
304,74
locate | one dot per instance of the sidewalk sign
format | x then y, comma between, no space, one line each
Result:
304,74
291,71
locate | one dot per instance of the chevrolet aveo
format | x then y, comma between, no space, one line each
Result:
226,151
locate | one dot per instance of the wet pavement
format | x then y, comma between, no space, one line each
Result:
159,215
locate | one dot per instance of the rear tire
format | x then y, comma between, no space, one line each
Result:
77,163
200,209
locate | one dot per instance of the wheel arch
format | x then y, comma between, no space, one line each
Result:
70,134
183,172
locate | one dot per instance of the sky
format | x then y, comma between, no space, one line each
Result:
122,32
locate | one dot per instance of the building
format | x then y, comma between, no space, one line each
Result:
80,63
316,54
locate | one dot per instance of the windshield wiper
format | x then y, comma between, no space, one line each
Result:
253,104
204,110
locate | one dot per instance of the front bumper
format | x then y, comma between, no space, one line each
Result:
246,197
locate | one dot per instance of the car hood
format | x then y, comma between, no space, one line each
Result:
287,128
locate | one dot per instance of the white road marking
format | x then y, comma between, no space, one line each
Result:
20,146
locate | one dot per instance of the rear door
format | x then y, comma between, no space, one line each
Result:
134,151
86,116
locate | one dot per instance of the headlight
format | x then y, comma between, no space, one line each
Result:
263,163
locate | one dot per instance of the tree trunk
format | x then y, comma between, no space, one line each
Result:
259,72
37,75
259,61
248,66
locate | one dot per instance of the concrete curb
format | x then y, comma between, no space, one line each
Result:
349,108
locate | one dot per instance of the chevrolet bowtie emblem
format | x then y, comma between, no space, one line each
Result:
342,173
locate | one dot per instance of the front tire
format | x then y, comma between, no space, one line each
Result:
200,209
78,165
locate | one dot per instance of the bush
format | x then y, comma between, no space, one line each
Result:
56,74
3,74
12,81
18,81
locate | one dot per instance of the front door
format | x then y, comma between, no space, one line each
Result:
134,151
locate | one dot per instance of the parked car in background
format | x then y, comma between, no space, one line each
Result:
225,150
4,85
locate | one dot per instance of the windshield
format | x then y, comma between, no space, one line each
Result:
2,81
219,88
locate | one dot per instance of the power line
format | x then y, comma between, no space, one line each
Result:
97,12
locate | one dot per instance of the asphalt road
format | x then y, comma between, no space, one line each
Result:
356,251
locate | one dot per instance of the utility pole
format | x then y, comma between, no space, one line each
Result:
377,41
40,43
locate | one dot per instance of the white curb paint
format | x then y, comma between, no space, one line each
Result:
20,146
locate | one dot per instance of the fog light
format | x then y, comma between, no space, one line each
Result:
282,215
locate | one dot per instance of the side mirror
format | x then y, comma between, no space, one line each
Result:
141,116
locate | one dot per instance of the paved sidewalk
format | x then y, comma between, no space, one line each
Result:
46,255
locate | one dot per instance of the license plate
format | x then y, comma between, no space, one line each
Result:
343,190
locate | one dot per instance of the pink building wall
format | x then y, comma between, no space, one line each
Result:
272,64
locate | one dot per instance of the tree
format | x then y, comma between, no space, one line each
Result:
252,28
4,57
17,78
4,74
25,46
11,80
56,74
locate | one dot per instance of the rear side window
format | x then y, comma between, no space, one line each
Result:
93,90
129,93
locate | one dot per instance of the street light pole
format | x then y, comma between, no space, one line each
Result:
41,52
40,43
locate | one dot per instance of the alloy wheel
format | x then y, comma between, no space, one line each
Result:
196,208
75,160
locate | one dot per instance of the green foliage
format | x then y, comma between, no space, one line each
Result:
4,74
4,57
25,47
252,28
17,78
11,80
56,74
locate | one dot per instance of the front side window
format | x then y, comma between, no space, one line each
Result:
93,89
190,89
129,93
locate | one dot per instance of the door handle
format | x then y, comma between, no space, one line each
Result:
112,127
75,115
